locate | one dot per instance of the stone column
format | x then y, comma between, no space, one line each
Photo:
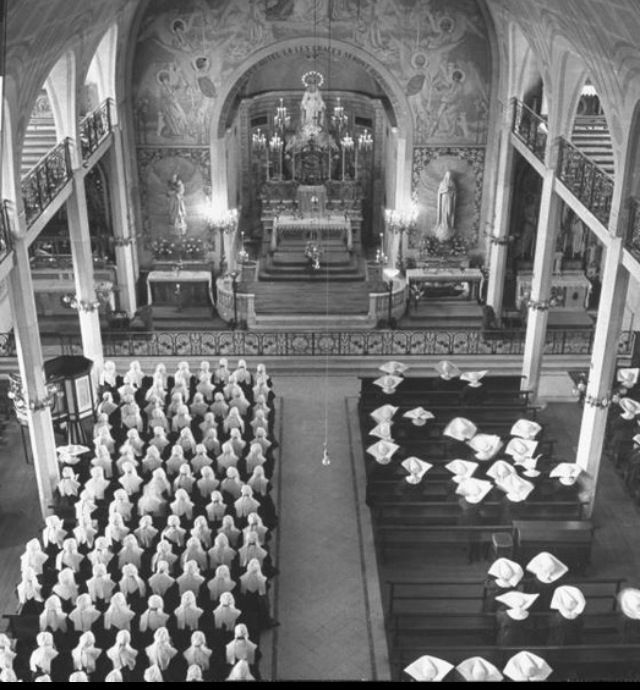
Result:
126,259
31,366
500,231
615,280
83,272
219,194
548,222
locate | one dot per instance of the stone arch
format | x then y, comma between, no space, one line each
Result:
388,83
102,68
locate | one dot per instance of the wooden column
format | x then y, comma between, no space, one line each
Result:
548,222
500,231
126,259
31,365
613,296
83,272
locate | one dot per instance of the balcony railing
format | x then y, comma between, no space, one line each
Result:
95,128
43,182
375,343
632,240
589,183
6,241
530,128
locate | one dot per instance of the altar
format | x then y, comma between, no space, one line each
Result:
179,287
311,229
312,198
443,275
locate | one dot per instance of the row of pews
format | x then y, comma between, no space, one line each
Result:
417,525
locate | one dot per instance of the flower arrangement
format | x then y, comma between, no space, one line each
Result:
313,252
456,246
187,248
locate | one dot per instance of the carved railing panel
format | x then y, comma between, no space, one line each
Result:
386,343
632,240
6,240
589,183
95,128
42,183
530,128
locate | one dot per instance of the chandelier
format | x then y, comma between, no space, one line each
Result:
281,119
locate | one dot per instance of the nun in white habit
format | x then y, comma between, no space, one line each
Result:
122,654
251,549
29,589
191,579
221,553
130,480
226,614
154,616
216,508
100,586
200,460
232,484
164,552
241,671
161,581
229,529
115,530
85,654
188,613
198,654
53,533
53,618
246,503
33,557
145,532
185,479
97,483
173,532
153,674
222,582
194,552
69,557
43,655
121,504
66,587
131,584
131,552
85,614
201,531
159,439
182,505
210,441
241,647
118,615
160,652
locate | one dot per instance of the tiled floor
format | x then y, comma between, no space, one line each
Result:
327,594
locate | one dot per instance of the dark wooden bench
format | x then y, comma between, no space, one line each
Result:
613,662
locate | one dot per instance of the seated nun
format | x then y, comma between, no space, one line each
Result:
100,586
161,580
241,647
526,666
173,532
104,438
122,655
233,421
200,459
68,484
548,572
43,655
198,407
222,373
131,552
246,503
221,553
103,459
29,590
514,627
191,579
130,412
216,508
66,587
157,417
188,613
135,442
241,671
85,531
201,531
181,419
258,481
207,482
107,406
226,614
115,530
222,582
187,441
255,458
159,439
159,484
198,654
205,385
121,504
185,479
126,455
154,616
152,460
503,575
85,614
251,549
219,407
177,400
182,505
242,374
69,557
477,669
101,552
33,557
53,618
566,624
229,529
175,461
259,421
239,401
210,441
164,552
428,668
151,503
118,615
227,457
85,654
131,584
153,674
194,552
263,440
96,485
255,524
53,533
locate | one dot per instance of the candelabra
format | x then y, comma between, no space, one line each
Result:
381,257
276,146
347,144
339,119
281,119
243,254
71,301
390,274
594,401
398,221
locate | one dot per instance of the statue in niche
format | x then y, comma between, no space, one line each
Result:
527,238
446,208
572,239
312,108
177,208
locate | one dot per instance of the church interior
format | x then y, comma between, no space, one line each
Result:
318,358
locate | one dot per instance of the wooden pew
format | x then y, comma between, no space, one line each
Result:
568,540
613,662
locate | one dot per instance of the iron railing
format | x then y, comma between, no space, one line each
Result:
632,239
6,238
42,183
589,183
530,128
437,342
95,128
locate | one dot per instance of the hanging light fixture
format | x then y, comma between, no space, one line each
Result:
282,118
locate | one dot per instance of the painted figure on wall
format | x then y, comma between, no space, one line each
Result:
177,208
446,208
173,120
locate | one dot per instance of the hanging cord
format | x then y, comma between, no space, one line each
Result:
325,457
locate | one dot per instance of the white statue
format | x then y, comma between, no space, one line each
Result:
312,108
177,208
446,208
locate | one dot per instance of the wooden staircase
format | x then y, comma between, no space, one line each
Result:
591,135
40,137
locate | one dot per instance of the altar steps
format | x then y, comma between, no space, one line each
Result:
443,313
316,323
305,298
291,266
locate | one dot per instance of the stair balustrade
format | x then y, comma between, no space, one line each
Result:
6,239
585,180
44,181
530,128
632,240
95,128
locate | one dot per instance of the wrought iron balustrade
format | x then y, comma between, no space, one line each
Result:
375,343
95,128
589,183
43,182
530,128
6,240
632,240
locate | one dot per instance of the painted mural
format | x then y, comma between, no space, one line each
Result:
466,168
438,51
